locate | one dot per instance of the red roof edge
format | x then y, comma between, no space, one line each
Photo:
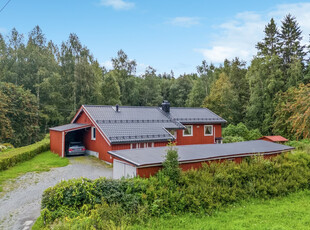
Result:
274,138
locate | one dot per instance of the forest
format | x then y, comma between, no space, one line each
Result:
43,84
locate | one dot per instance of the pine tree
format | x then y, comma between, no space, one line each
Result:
290,40
270,44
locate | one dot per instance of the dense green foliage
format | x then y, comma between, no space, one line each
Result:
48,83
98,203
171,167
292,112
291,212
11,158
236,133
41,162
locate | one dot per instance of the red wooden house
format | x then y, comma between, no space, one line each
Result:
133,138
107,128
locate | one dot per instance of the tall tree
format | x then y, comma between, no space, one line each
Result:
180,89
290,40
110,90
222,99
22,113
292,112
150,92
266,78
270,44
236,71
197,94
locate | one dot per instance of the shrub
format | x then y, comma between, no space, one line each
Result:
102,203
235,133
11,158
171,167
231,139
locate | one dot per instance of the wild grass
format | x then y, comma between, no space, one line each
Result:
290,212
40,163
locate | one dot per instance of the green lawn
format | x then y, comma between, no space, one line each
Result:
291,212
42,162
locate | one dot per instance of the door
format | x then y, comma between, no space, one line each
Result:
122,169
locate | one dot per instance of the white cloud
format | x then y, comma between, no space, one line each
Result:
118,4
238,37
184,21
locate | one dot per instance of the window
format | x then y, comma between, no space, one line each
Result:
208,130
93,133
141,145
188,131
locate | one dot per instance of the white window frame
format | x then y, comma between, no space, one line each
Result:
145,145
192,131
93,131
204,130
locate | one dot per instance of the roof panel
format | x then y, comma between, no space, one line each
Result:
149,156
195,115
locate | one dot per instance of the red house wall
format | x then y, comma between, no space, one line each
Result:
99,145
150,171
56,142
198,135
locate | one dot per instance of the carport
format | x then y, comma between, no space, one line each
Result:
61,136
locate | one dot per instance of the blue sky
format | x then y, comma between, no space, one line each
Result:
167,35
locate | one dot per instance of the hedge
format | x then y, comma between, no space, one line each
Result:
198,191
11,158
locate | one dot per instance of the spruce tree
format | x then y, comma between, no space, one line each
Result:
290,40
270,43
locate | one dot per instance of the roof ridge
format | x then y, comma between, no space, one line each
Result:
171,118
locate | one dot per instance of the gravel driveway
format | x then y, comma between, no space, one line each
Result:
20,207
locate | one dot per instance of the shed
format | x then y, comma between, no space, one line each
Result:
61,136
146,162
276,139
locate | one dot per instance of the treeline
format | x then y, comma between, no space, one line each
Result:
42,84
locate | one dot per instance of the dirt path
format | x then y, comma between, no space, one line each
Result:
20,207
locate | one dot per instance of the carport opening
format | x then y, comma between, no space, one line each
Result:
74,136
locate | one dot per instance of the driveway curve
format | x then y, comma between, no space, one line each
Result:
20,206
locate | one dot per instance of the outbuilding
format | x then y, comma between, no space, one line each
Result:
147,162
276,139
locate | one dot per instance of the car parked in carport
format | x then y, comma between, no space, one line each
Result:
76,148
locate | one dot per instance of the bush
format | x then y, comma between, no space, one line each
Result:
171,167
11,158
231,139
235,133
86,202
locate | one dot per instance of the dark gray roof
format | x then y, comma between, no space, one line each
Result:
133,123
143,123
194,115
69,126
154,156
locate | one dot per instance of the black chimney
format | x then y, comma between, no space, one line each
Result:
165,106
117,108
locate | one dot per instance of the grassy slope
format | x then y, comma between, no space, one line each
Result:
291,212
40,163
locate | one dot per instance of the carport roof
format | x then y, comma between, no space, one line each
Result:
69,127
187,153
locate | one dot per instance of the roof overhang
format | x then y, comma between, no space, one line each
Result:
157,154
70,127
